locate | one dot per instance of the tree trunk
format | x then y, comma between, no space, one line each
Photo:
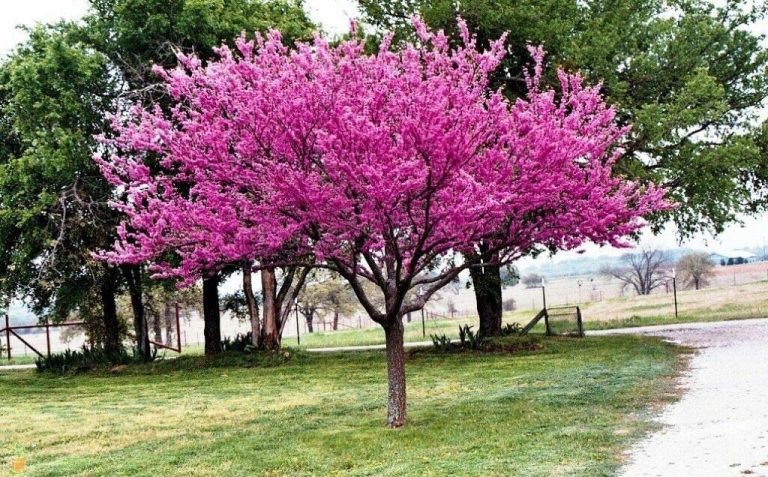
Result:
310,317
157,328
109,307
486,281
253,310
335,320
396,373
140,328
211,315
270,337
168,314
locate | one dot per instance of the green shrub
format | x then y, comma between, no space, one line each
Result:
441,342
242,342
83,360
468,338
511,329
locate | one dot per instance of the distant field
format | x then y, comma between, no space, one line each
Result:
726,302
709,304
571,408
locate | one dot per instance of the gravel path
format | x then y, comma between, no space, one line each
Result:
720,426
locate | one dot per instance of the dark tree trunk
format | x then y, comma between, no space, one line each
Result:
109,307
396,373
310,317
270,330
157,328
169,318
335,320
253,309
211,315
408,317
140,328
486,281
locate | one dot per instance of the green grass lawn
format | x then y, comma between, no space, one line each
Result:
570,408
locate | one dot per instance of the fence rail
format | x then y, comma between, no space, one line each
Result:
11,330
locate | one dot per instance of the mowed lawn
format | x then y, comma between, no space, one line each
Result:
570,408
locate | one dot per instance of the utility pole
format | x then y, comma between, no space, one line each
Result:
674,289
580,283
296,305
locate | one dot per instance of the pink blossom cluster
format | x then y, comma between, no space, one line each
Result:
377,165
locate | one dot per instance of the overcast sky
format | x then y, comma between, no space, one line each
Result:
334,17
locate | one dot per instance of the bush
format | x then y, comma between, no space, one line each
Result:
242,343
83,360
441,342
468,338
532,280
511,329
509,304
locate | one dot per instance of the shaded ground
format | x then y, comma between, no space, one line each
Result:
720,426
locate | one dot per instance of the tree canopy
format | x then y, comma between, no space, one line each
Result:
380,167
56,92
688,76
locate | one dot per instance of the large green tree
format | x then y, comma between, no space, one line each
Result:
688,75
137,34
54,93
56,90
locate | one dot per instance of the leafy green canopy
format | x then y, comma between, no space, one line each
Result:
55,92
52,199
688,75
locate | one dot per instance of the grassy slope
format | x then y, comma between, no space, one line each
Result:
569,409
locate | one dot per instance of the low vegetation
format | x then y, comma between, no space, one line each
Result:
569,408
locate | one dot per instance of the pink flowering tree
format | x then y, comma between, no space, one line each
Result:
384,168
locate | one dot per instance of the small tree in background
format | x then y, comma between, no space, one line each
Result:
695,269
533,280
644,271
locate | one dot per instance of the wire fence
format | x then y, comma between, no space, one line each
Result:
732,292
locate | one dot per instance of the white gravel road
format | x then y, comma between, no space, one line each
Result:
719,428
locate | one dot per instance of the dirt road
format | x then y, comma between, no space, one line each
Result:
720,426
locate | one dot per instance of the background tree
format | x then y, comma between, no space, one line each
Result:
55,91
326,295
695,269
533,280
688,76
379,167
644,271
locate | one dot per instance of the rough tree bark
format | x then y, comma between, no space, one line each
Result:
169,318
133,277
211,315
250,303
109,308
269,331
157,327
486,281
277,303
335,320
309,315
396,373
